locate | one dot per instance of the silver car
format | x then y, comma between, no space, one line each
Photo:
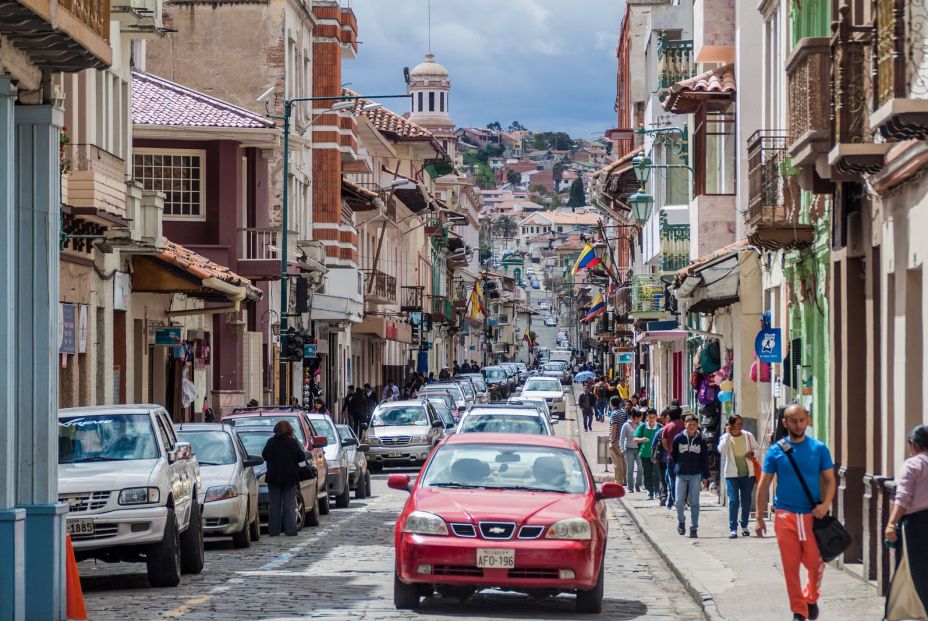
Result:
359,477
229,488
505,419
336,459
480,385
402,433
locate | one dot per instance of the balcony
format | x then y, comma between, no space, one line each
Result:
648,296
442,311
675,60
96,180
773,194
259,252
900,93
379,288
411,299
60,35
675,245
143,18
808,69
854,153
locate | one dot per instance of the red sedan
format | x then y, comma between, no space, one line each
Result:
510,511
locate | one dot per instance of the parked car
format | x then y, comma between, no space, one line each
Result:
470,395
498,381
535,284
132,488
537,402
515,511
309,504
402,433
558,369
543,305
336,459
441,396
513,372
505,418
480,385
312,442
452,388
549,389
523,369
359,477
444,413
228,485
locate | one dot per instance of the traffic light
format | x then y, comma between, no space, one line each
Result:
291,346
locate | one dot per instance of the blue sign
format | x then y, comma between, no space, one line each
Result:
171,337
626,358
309,351
769,345
68,329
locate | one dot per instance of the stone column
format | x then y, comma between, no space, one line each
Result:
36,328
12,524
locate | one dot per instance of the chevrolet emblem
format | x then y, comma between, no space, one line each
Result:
74,503
497,530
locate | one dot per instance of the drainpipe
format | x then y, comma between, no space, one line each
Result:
234,293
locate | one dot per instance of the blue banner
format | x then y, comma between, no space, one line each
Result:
769,345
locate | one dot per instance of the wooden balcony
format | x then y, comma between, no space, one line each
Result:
442,311
854,153
96,179
675,62
773,194
59,35
259,252
379,288
808,72
900,93
411,299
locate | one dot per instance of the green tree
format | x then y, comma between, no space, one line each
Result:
577,195
471,158
555,201
486,178
495,127
557,172
513,177
516,126
505,226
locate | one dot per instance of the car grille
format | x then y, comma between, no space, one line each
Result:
215,522
395,441
100,531
464,530
90,501
497,530
531,532
534,573
457,570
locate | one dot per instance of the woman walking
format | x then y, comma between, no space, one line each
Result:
908,523
283,455
737,448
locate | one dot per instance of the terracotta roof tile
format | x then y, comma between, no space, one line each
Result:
715,82
156,101
608,168
201,267
390,122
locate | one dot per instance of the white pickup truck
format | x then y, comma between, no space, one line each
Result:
131,489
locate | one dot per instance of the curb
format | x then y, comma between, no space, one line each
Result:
689,580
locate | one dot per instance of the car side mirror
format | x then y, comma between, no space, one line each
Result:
611,490
399,482
364,448
363,425
182,450
253,460
320,441
349,442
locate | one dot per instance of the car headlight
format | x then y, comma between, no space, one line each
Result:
372,441
571,528
425,523
139,495
221,492
418,439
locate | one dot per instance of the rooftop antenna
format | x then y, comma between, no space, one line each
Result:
430,26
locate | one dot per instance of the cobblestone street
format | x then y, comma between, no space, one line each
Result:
344,570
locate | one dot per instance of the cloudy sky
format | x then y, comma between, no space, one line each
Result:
549,64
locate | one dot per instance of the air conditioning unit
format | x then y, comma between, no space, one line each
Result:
144,209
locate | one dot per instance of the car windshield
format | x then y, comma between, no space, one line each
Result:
504,466
502,423
538,405
212,448
106,437
479,383
545,384
468,390
254,439
324,427
444,412
454,389
345,432
494,373
399,416
552,366
439,397
269,421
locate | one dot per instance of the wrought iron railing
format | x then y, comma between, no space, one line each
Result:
900,50
263,244
411,298
851,80
380,285
809,112
441,309
675,57
675,245
766,158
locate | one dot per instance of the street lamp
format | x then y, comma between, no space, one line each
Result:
338,103
642,165
641,203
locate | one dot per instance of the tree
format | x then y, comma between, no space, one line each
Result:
557,172
513,177
495,127
552,140
537,188
556,201
516,126
505,226
577,195
486,178
471,158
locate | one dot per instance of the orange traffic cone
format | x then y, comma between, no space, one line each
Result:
75,596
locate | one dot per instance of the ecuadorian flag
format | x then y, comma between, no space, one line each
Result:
598,308
586,260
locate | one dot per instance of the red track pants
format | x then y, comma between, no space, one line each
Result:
797,546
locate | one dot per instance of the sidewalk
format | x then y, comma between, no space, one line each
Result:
733,579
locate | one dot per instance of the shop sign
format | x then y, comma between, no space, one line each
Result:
122,289
82,329
769,345
309,350
67,329
169,337
626,358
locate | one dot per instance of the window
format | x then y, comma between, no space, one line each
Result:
441,102
431,101
715,149
420,102
177,173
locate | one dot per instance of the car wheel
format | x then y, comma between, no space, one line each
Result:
191,541
324,507
359,488
242,539
162,559
375,467
312,518
367,484
405,596
343,499
591,602
300,512
255,528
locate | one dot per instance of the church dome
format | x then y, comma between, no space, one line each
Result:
429,69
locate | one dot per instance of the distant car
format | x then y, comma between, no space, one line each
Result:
402,433
505,418
498,381
444,413
535,284
480,385
538,403
336,459
550,321
228,484
452,388
359,477
549,389
544,305
515,376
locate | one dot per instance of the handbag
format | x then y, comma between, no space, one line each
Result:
830,535
306,471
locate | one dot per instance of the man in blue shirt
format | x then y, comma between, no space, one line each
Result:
794,512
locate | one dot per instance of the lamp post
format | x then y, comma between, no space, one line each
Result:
339,103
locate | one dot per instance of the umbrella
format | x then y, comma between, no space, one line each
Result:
583,376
